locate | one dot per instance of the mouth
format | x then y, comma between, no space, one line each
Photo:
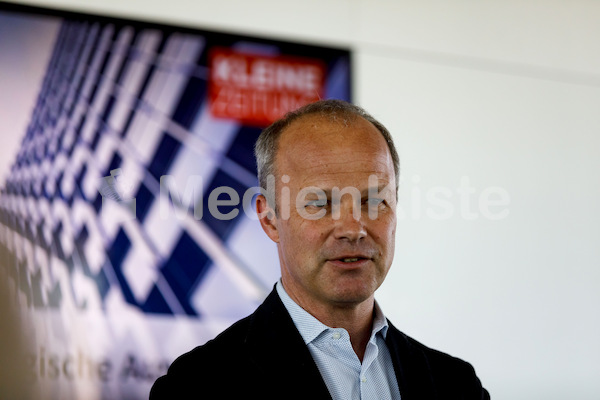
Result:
350,262
350,259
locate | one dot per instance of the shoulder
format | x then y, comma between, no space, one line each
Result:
423,366
435,358
229,360
209,363
230,340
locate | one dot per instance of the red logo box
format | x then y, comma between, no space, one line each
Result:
258,89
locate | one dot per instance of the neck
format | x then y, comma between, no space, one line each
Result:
356,318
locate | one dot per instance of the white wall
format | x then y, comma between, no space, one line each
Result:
506,94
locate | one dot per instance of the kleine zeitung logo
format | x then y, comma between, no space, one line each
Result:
259,89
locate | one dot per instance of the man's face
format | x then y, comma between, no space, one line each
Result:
341,258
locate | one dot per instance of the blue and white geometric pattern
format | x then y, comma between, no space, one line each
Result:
128,104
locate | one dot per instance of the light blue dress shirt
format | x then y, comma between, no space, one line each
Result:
345,376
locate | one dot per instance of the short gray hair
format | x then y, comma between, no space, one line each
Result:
265,148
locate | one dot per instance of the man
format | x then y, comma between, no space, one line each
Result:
320,334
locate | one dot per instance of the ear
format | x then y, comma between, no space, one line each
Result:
267,218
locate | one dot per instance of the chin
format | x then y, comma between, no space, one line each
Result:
352,295
360,285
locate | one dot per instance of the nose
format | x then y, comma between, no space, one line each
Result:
349,226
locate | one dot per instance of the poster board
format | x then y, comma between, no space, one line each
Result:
109,247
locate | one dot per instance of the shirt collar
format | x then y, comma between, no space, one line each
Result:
310,327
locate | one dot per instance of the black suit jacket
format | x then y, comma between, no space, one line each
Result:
263,356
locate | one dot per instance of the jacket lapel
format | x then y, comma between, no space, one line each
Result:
280,355
277,349
411,367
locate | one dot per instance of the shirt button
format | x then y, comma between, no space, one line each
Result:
363,379
336,335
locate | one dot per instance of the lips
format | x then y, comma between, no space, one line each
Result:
350,261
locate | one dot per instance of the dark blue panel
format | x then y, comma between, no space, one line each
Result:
79,127
119,249
114,163
164,155
128,122
108,109
143,200
155,303
71,147
59,185
186,266
32,190
95,87
97,203
61,137
96,138
46,149
116,255
222,227
190,102
81,175
45,192
242,148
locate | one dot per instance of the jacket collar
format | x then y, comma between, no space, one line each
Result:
411,366
278,350
276,347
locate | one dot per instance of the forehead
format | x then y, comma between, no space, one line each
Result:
326,146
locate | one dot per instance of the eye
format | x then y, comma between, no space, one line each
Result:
374,202
316,203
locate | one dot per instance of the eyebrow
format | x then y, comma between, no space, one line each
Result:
363,193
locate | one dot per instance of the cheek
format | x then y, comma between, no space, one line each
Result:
384,233
310,230
300,235
385,221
